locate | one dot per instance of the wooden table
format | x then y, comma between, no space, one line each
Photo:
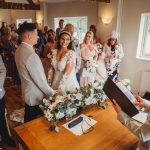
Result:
108,134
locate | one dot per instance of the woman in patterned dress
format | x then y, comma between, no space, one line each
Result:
114,54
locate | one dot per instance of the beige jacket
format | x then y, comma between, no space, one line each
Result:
2,78
33,80
141,131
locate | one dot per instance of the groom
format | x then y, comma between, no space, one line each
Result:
33,81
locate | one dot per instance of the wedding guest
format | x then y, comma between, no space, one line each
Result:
88,53
141,131
11,46
40,43
61,27
114,54
75,47
64,62
3,126
3,29
96,39
50,45
45,34
33,79
101,73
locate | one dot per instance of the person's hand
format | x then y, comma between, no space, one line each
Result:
56,92
116,107
139,102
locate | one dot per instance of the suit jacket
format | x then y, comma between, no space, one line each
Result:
33,80
76,48
2,77
141,131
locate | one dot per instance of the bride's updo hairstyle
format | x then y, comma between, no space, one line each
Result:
62,33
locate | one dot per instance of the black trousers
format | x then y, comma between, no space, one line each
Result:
31,112
3,126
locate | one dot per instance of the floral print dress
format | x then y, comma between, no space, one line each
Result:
113,56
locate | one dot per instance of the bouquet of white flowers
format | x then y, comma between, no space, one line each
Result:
66,105
99,48
91,66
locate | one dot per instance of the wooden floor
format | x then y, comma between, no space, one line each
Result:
13,101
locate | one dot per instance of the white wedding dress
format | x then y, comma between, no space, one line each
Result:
64,82
101,69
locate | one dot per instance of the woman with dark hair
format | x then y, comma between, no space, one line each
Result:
114,54
95,38
50,45
64,61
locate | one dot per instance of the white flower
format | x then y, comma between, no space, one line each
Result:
91,66
48,115
88,101
92,91
71,111
95,84
44,111
79,96
44,100
60,115
93,100
69,96
127,81
41,106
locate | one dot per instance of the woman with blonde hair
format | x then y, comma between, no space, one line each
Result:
88,55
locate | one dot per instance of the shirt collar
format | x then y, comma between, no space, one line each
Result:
28,45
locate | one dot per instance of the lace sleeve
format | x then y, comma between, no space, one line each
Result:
71,58
71,61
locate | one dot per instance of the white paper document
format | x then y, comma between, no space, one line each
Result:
82,127
141,117
128,94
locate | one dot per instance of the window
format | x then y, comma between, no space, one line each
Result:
143,49
80,25
20,21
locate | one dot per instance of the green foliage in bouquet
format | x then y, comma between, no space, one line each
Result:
66,105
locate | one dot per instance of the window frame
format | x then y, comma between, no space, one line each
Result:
141,54
78,35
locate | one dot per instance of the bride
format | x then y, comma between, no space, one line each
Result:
63,62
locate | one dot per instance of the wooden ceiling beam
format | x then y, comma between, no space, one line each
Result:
105,1
21,6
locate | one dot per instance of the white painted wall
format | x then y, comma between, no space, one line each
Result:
9,16
72,9
106,10
23,14
131,67
5,15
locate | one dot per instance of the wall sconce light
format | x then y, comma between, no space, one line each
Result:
106,20
39,21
